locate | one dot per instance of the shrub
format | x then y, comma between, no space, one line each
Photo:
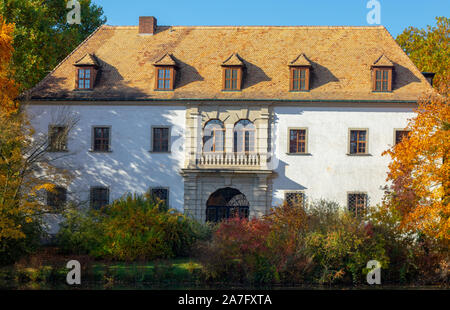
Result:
13,249
323,244
132,227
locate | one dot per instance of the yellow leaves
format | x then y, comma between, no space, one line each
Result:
46,186
420,169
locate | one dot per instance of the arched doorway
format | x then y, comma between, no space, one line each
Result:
225,203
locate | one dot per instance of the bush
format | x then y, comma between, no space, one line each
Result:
320,244
132,227
13,249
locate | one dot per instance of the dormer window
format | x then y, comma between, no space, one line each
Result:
232,71
165,73
87,68
299,79
382,71
164,78
84,78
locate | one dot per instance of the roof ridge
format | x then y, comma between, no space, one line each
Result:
249,26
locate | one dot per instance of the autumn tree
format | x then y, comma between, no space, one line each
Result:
420,170
429,49
42,36
26,170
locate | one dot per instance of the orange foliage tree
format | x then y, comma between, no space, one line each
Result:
420,170
23,161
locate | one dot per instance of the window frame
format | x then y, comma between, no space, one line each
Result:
49,135
91,200
91,79
292,69
238,78
366,153
306,152
56,207
254,130
389,79
93,139
302,192
161,187
171,79
152,146
366,202
397,130
223,129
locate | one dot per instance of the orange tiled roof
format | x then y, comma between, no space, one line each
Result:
341,60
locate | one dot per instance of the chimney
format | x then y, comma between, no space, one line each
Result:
147,25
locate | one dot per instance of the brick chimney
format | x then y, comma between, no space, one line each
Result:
147,25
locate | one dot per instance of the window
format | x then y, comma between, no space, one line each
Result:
213,136
99,197
358,141
297,141
84,78
57,197
299,79
232,78
383,80
164,78
57,138
357,203
244,137
400,135
102,138
160,193
160,139
294,198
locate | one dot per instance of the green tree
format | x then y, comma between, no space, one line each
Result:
42,36
429,49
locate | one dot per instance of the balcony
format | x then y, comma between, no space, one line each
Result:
229,160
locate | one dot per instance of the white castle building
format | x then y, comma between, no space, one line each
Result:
216,119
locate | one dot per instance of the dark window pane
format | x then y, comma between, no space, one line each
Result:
99,197
57,198
357,203
160,193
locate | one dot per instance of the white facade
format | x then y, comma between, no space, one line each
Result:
328,171
325,171
130,166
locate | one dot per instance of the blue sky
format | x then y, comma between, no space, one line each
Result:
395,14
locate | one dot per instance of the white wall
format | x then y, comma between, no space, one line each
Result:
328,172
130,167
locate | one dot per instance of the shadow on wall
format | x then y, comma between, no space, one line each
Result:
130,166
